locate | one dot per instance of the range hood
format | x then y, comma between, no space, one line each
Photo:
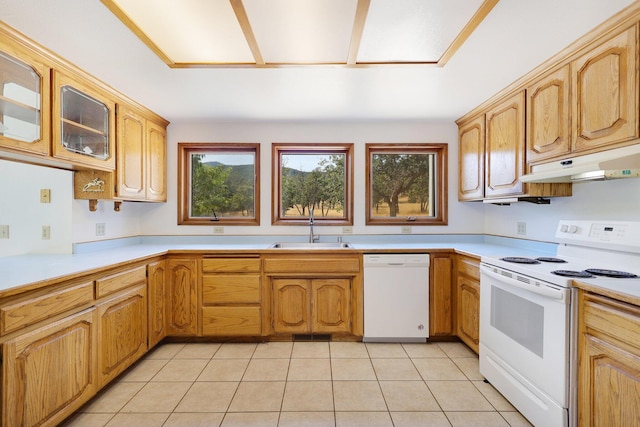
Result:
611,164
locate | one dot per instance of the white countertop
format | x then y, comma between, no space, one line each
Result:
22,270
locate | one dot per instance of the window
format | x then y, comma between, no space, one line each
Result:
406,184
218,183
312,176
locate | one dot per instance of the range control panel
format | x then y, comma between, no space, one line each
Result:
605,234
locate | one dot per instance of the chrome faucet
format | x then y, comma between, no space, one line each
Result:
312,237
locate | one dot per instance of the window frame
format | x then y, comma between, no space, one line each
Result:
279,148
440,185
185,150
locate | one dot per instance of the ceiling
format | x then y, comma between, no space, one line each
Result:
264,33
514,37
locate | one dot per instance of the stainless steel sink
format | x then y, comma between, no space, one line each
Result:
307,245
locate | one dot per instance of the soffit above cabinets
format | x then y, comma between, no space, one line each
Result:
272,33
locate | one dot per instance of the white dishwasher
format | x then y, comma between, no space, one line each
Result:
396,297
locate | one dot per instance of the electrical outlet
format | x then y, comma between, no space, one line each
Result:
4,231
46,232
45,195
218,230
347,230
101,229
522,228
406,229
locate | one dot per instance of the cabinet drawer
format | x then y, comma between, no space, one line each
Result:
616,319
111,284
469,267
231,321
230,288
312,265
231,265
28,312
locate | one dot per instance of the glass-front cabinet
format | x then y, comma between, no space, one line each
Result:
24,100
83,123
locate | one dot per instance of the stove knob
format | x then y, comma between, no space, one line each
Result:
564,228
572,229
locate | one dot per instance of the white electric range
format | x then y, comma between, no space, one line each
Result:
527,325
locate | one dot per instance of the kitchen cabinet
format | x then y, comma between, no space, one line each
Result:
48,373
315,293
25,109
231,295
608,361
122,321
156,296
504,145
468,300
441,295
182,296
605,87
549,116
141,156
471,159
311,305
83,123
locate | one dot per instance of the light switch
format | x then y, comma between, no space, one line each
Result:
45,195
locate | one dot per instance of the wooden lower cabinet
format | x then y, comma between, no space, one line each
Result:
441,295
231,296
468,301
608,362
311,305
122,332
182,298
50,372
157,293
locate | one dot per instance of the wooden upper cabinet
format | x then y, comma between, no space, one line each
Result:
141,166
605,84
504,147
25,109
471,140
548,116
83,123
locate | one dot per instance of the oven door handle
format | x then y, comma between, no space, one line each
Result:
540,290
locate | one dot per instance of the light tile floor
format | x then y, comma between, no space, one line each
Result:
301,384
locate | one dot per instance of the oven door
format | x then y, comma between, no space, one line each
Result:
524,343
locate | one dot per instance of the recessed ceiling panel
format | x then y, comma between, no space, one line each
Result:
302,31
413,30
189,31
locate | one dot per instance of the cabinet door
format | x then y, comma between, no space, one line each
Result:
83,123
330,305
505,147
131,148
182,297
608,362
548,113
25,109
471,141
156,298
468,308
291,305
441,303
50,372
156,162
605,88
122,332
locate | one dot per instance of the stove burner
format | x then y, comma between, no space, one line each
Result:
551,259
520,260
572,273
611,273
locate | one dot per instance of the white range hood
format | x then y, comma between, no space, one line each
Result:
612,164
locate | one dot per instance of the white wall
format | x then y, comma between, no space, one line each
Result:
617,200
162,219
22,211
